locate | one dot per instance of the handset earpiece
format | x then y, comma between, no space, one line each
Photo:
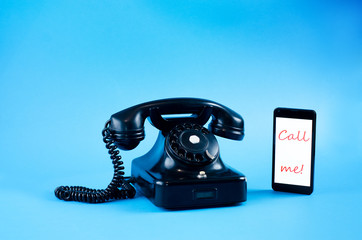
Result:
227,124
226,131
126,128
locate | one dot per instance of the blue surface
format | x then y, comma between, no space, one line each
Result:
66,66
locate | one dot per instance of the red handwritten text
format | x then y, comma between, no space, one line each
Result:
284,135
295,170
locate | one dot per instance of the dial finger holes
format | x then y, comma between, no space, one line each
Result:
199,157
179,128
175,146
197,127
173,139
190,156
205,131
181,152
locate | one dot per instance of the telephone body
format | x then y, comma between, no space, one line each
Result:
183,169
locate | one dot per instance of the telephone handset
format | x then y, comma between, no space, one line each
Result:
184,168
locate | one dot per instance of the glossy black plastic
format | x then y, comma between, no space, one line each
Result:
127,126
183,169
170,181
178,173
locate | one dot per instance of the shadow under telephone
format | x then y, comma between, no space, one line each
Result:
183,169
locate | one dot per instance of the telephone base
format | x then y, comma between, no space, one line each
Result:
171,183
194,193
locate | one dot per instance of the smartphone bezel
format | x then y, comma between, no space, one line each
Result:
298,114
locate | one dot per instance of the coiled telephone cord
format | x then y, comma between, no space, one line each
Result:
119,188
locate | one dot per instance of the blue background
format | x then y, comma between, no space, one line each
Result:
66,66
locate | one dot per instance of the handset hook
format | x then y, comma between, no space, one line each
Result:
166,125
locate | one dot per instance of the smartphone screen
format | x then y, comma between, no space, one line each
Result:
293,150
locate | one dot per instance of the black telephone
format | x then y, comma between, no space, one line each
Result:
183,169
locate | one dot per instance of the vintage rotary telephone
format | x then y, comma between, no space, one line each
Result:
183,169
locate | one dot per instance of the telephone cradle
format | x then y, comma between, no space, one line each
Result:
184,168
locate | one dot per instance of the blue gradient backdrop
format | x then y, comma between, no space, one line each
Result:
66,66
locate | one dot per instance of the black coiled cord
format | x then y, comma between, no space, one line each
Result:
119,188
